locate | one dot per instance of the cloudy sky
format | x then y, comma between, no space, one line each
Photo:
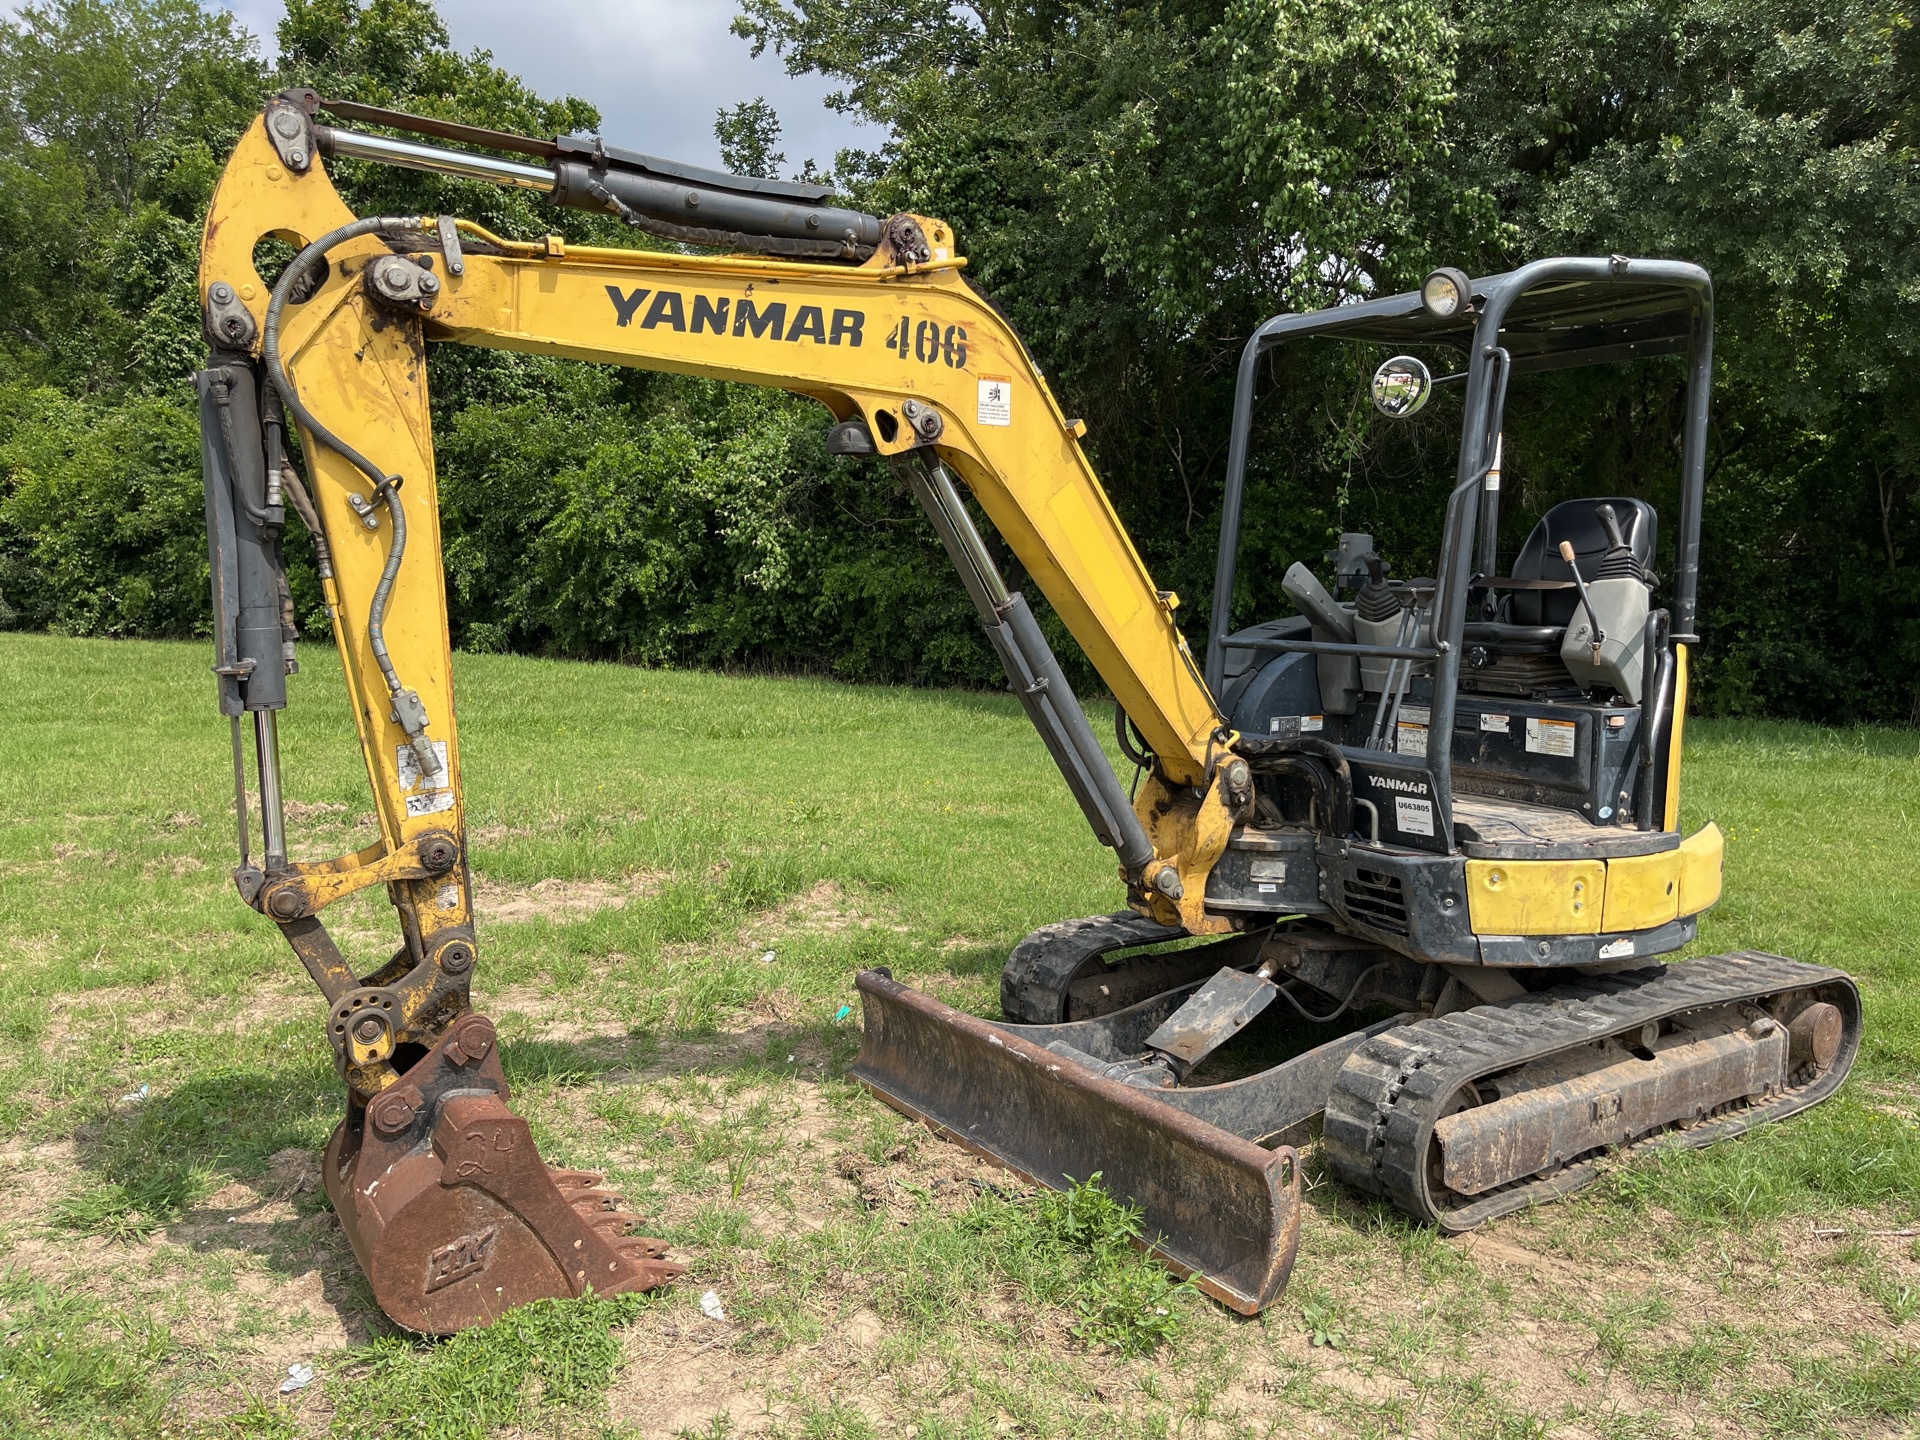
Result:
657,69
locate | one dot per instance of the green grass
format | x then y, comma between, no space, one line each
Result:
767,838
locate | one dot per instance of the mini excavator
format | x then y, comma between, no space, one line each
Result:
1404,862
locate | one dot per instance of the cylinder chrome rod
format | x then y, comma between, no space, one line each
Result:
462,165
273,820
240,792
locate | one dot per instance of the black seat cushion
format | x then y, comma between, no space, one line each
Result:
1574,520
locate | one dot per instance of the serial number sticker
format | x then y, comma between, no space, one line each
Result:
1412,817
996,400
1269,889
1614,949
1410,739
1497,724
1418,714
1551,737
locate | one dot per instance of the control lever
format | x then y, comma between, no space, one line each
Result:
1566,554
1616,538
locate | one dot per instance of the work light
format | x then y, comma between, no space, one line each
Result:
1446,292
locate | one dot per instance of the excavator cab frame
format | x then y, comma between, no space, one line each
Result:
1549,315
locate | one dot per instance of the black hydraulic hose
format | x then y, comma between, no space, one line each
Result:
385,486
1140,754
1342,1007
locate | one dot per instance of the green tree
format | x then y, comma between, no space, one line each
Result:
1139,185
1774,142
748,133
114,116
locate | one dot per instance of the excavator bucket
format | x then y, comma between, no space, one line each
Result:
453,1214
1215,1206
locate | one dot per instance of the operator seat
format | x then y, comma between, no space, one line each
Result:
1574,520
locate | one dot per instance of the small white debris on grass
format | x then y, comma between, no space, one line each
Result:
710,1306
299,1376
767,959
134,1097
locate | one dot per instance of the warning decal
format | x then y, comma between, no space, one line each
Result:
432,795
1551,737
996,400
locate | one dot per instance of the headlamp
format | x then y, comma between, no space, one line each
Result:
1446,292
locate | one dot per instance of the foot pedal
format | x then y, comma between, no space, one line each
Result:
453,1214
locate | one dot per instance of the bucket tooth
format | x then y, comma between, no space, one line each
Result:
1214,1206
453,1214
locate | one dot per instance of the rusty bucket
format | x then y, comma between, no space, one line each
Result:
453,1214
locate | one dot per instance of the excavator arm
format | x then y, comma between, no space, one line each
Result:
914,366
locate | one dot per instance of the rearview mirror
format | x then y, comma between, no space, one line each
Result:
1401,386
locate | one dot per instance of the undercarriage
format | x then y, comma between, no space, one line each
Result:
1187,1077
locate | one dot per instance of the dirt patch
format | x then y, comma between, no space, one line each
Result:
1489,1251
292,1172
688,1381
826,909
560,900
315,810
240,1257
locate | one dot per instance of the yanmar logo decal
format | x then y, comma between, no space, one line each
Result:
703,314
1394,782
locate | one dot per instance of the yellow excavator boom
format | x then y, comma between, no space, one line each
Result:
913,364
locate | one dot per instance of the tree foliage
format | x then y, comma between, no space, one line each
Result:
1138,186
748,133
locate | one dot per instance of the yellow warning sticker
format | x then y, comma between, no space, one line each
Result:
1551,737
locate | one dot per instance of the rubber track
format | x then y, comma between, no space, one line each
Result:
1385,1101
1033,985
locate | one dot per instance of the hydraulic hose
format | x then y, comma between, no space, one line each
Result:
406,703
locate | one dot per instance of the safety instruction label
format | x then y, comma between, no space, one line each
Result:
1497,724
1412,817
1410,739
1296,724
1551,737
996,400
433,793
